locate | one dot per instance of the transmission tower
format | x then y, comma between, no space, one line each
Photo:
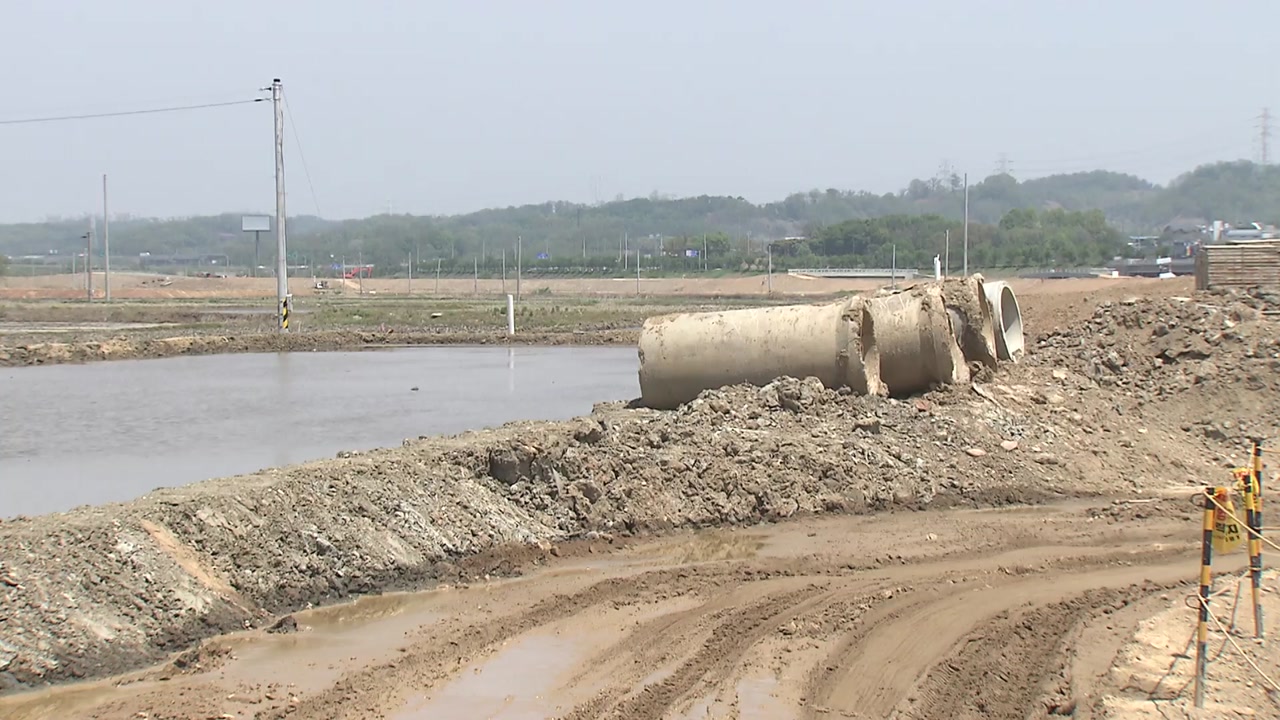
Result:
1002,165
1264,135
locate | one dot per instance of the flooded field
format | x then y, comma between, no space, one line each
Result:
86,434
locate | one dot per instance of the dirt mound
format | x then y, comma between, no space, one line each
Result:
1206,366
149,577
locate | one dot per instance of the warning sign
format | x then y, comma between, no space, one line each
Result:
1228,535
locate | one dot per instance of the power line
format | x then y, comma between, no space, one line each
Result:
148,111
297,141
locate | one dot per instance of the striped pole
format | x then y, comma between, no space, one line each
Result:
1253,517
1206,586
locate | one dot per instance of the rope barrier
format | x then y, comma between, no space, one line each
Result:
1274,685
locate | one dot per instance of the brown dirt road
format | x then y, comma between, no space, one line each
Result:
939,614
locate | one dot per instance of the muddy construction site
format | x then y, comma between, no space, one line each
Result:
1021,546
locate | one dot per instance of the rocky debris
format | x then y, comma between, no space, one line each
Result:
284,626
1159,347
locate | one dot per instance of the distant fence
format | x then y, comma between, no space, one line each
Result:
1238,266
875,273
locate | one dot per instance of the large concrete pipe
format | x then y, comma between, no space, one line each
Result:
682,355
915,341
1003,305
971,321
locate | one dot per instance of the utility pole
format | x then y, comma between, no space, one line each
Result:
966,224
475,276
360,269
282,260
946,254
106,243
893,271
626,249
704,252
437,276
770,279
519,259
637,271
504,271
410,273
88,261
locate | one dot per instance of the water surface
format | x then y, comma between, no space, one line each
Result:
87,434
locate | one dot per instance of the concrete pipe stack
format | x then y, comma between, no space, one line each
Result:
896,344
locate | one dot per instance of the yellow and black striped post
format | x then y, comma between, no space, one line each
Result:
1253,518
284,314
1206,587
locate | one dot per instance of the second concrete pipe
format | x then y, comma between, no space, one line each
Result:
897,344
682,355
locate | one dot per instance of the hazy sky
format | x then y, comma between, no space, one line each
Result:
442,107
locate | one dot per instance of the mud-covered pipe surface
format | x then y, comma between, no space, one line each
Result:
971,319
915,342
682,355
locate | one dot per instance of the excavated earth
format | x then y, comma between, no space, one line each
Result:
1018,547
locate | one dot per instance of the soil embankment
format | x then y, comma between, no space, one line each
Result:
1130,399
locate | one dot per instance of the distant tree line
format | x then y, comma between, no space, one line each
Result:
1061,219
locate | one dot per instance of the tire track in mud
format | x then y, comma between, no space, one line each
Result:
915,640
368,692
756,608
835,628
1029,650
733,635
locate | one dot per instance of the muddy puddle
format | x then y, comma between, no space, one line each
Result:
518,683
331,640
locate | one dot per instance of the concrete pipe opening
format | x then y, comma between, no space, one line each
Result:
1008,320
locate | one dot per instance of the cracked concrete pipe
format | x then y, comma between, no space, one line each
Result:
1007,315
681,355
971,321
915,341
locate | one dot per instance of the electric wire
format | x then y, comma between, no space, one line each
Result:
297,141
123,113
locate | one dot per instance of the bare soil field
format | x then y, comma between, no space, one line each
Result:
1022,547
206,316
134,286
